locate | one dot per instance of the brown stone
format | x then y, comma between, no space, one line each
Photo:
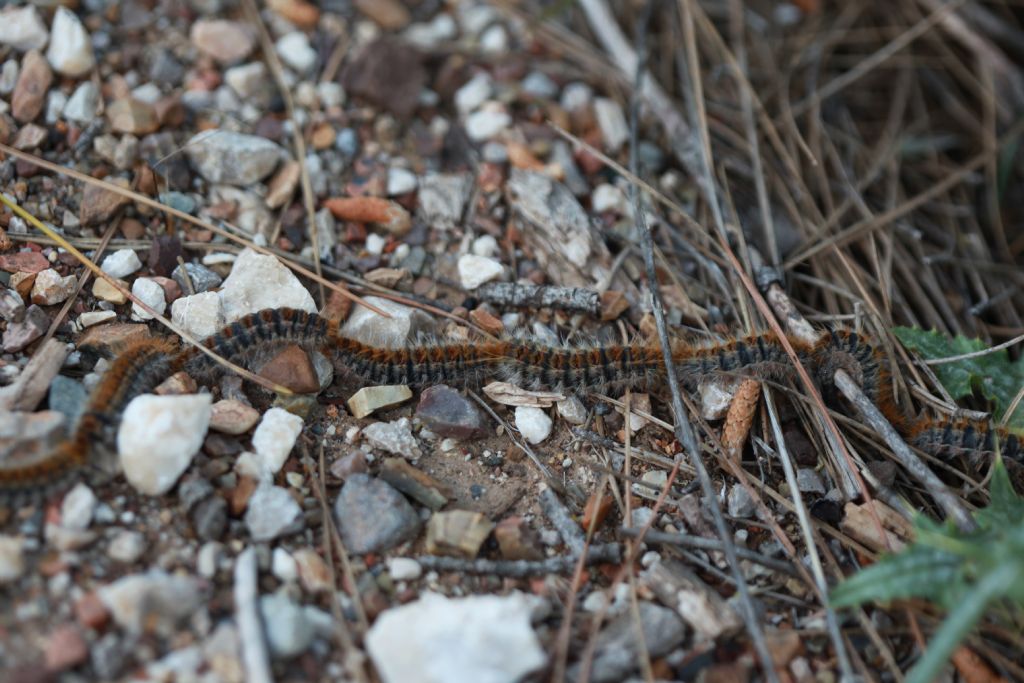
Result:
65,648
24,262
107,337
389,74
99,205
613,304
239,497
29,136
282,185
91,612
176,384
30,92
293,369
132,116
517,540
101,289
132,229
233,417
390,15
299,12
486,321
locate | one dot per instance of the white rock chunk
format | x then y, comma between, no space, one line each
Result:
369,399
271,510
394,437
201,315
23,29
479,639
295,51
257,282
70,51
475,92
274,438
475,270
402,327
223,156
486,123
404,568
400,181
81,106
12,558
137,601
121,263
159,436
533,423
612,122
77,508
52,288
150,293
127,546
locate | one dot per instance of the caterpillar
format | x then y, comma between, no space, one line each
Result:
140,367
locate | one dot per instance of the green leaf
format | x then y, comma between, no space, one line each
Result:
1005,509
962,619
992,374
917,571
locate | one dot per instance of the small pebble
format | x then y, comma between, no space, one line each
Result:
127,547
288,629
201,315
233,417
12,558
257,282
533,423
369,399
404,569
295,51
476,270
270,513
77,508
121,263
23,29
52,288
70,52
486,123
394,437
150,293
274,439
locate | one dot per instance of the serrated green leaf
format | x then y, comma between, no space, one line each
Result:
992,374
917,571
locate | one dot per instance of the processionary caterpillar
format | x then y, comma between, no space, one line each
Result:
569,368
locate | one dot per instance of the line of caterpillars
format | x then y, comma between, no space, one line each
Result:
143,365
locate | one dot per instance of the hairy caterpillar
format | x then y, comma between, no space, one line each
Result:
605,368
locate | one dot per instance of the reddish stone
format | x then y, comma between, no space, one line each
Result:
24,262
293,369
91,612
65,648
30,92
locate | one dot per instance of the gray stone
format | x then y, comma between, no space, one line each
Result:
450,414
442,199
23,332
233,158
372,516
741,505
67,396
258,281
617,646
809,481
289,630
395,332
202,278
82,105
156,598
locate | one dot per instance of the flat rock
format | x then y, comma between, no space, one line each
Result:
450,414
159,436
413,482
459,533
232,158
70,52
201,315
394,437
102,289
456,640
368,399
33,84
257,282
24,262
372,516
110,336
128,115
